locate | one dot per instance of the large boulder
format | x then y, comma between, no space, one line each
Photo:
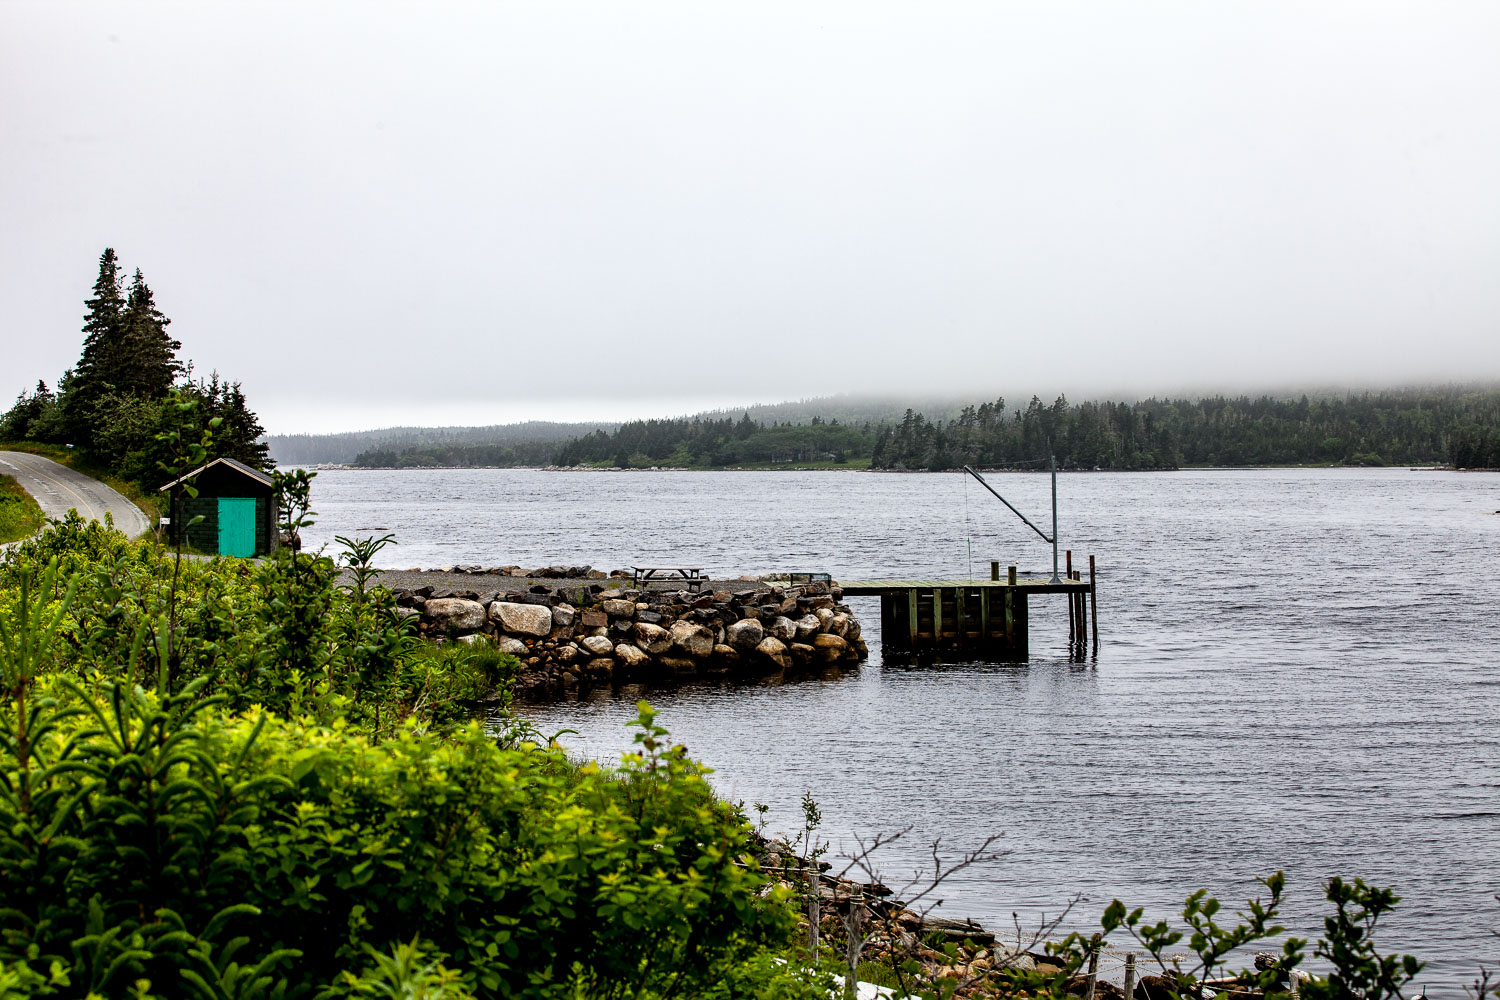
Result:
510,644
631,656
807,627
825,618
744,634
680,666
726,656
522,619
619,609
563,615
652,638
693,639
782,628
597,645
838,624
454,614
830,647
774,650
802,654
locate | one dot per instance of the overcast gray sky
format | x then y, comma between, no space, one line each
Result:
374,214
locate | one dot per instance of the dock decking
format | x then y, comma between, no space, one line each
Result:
977,618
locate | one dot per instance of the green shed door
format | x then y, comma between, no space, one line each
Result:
236,526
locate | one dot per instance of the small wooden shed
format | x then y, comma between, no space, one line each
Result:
239,509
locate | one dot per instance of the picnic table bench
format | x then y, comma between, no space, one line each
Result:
691,575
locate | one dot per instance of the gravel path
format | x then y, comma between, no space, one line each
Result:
58,489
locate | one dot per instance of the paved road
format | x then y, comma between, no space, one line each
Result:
58,488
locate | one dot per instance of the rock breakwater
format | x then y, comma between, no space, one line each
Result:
588,634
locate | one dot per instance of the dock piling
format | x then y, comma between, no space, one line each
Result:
970,619
1094,605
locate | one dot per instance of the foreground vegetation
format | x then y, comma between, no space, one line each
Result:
20,515
224,779
1430,426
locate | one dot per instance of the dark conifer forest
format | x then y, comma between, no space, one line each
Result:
1459,427
128,387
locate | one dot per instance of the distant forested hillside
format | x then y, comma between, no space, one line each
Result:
707,442
1459,426
492,442
683,442
1399,427
344,448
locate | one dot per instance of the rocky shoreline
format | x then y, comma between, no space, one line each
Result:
584,627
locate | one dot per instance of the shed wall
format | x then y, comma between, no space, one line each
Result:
204,536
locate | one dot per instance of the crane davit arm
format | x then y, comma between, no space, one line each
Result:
1052,540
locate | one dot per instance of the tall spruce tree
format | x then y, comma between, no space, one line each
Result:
238,436
127,354
147,364
102,326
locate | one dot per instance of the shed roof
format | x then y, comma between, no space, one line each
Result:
240,467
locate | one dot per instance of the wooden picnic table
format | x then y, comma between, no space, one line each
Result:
691,575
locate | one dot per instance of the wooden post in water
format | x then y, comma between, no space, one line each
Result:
960,616
1083,626
995,569
1129,975
1010,612
1072,607
1083,617
1077,633
1094,608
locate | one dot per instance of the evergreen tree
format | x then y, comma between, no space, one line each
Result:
147,364
238,436
102,327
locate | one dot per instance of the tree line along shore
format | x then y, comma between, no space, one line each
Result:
117,408
1452,427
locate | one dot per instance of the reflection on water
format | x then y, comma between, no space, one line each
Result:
1298,671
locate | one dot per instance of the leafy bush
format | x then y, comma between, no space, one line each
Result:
158,843
19,514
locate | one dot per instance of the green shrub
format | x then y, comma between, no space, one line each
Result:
164,840
19,514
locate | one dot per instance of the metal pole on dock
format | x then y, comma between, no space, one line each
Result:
1052,459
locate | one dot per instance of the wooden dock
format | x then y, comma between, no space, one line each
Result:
977,619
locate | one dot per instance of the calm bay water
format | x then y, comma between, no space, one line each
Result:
1299,670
